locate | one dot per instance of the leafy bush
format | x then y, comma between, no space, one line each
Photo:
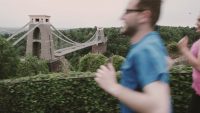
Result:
117,61
8,59
91,62
32,66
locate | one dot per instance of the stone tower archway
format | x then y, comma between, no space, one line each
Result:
39,41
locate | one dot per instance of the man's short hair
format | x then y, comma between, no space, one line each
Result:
154,6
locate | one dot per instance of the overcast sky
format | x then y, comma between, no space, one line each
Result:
90,13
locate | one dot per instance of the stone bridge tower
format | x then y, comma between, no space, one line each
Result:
101,47
39,41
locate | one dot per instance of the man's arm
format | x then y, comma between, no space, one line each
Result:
154,98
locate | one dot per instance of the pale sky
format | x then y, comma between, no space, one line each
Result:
90,13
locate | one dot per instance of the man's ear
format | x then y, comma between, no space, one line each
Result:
145,16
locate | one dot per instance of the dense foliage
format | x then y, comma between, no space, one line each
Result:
8,59
170,34
118,44
117,61
32,66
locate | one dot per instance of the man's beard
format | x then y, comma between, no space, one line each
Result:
129,31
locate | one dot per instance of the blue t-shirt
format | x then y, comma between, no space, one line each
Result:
144,64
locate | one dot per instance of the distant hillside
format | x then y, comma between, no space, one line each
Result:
7,30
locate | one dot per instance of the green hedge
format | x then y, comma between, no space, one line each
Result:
181,79
55,93
181,91
77,93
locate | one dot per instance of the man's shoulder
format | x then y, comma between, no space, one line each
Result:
150,45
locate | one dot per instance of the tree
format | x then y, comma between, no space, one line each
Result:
91,62
8,59
32,66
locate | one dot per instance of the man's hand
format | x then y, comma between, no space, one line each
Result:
106,78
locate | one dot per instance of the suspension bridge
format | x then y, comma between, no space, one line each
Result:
41,34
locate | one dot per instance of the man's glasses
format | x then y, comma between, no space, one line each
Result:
133,10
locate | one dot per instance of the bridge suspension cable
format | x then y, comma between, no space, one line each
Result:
75,44
92,38
19,31
62,38
26,34
63,35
